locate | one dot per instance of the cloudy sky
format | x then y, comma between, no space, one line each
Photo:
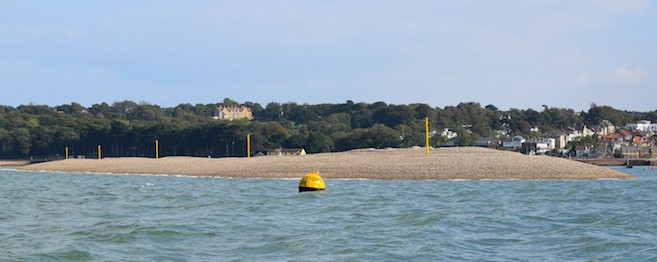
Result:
512,54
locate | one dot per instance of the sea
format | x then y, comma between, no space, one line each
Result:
55,216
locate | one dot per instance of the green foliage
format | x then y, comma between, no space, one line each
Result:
127,128
598,113
295,141
22,142
318,142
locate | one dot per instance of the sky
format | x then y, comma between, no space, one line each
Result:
511,54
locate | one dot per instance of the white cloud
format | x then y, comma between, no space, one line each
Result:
623,75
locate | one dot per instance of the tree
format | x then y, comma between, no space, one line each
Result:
464,137
272,112
276,133
598,113
302,114
492,108
381,136
354,139
394,115
361,118
319,143
6,143
22,141
230,102
127,128
296,141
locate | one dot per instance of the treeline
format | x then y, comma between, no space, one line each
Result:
130,129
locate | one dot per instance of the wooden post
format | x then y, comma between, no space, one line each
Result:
248,146
157,149
66,152
426,132
99,152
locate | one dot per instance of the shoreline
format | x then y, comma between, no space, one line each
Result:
468,163
9,162
619,161
297,178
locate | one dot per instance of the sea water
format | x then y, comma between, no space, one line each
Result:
110,217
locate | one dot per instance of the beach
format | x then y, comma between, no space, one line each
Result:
13,162
471,163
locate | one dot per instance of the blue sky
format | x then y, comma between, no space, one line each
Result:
512,54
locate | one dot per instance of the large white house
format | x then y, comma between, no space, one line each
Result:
515,143
643,126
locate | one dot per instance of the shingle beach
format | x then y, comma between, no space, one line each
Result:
402,164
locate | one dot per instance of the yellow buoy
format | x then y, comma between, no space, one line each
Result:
311,182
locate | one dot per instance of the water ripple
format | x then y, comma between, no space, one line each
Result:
68,217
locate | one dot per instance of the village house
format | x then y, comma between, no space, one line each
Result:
643,126
580,130
233,113
488,142
538,146
630,152
604,128
627,135
515,143
614,141
585,150
643,141
534,147
559,139
550,142
286,152
601,151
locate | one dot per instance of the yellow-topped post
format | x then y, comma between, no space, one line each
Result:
66,152
157,149
248,146
426,134
99,153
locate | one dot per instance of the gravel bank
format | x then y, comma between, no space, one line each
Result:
13,162
410,163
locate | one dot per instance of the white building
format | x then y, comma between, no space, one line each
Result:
515,143
643,126
551,143
487,142
606,127
559,138
538,146
448,133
